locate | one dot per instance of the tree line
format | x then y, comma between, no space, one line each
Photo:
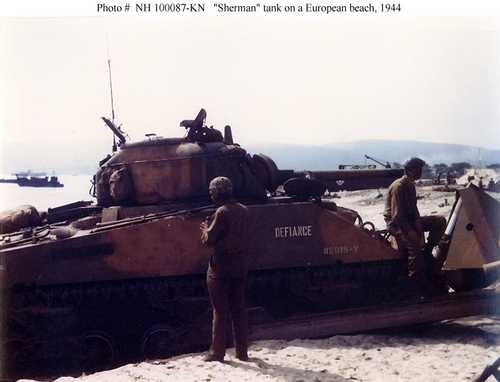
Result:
456,169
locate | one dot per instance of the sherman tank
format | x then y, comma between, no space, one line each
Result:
123,278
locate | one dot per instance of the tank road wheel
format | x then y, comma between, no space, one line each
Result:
16,355
158,341
98,351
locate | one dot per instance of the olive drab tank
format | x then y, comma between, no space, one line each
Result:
124,278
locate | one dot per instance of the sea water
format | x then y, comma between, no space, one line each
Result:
76,188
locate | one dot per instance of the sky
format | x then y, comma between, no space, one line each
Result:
300,80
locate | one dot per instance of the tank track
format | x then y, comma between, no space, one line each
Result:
87,327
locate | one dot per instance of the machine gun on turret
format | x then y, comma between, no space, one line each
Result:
116,130
198,132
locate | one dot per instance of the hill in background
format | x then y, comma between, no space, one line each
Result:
83,157
328,157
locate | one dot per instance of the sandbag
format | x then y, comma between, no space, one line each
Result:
120,185
17,218
101,181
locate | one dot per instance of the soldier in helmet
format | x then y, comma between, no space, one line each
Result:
227,269
405,223
491,185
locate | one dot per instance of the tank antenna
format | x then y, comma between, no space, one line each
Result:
111,91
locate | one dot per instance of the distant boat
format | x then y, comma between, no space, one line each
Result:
34,179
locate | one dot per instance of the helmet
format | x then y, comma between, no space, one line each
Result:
414,163
221,188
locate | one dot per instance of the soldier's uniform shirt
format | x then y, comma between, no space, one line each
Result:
227,233
226,276
401,212
401,215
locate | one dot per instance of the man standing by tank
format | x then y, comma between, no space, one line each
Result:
227,233
405,223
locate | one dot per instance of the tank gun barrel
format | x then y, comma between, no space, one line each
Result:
386,164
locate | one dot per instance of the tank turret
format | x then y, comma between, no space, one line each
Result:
171,169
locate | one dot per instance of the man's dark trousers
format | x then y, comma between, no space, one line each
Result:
227,296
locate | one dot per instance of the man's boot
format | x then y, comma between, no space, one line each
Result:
242,356
212,357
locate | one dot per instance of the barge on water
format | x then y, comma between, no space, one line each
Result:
33,179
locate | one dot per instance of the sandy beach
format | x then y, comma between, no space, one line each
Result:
455,350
